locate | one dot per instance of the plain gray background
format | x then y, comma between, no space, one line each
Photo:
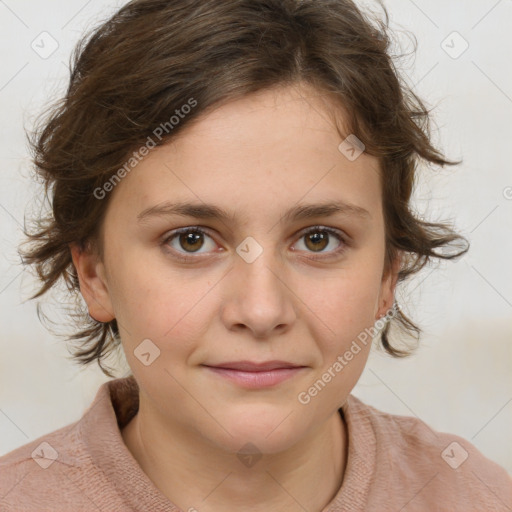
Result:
460,379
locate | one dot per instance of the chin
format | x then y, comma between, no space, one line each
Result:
268,433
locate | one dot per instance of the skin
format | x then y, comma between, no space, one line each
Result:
255,157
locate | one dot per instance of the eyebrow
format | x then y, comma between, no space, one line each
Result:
210,211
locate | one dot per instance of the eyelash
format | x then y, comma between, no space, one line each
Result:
313,229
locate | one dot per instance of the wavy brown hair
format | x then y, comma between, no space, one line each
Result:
132,72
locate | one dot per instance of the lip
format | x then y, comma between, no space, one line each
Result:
256,375
262,379
251,366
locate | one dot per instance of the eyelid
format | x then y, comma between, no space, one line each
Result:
341,235
336,232
318,227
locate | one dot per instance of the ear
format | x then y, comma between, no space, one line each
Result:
93,282
388,285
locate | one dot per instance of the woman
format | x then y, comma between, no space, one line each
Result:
231,186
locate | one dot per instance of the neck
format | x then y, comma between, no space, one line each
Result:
197,475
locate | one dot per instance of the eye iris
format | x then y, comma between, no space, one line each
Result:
193,239
319,240
315,240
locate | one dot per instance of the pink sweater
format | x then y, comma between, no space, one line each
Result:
395,463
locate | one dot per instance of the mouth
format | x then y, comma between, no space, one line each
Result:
251,366
253,375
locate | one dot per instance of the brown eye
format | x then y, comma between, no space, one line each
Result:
317,241
192,241
189,240
188,243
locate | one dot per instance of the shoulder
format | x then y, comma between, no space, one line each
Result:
56,471
422,468
32,474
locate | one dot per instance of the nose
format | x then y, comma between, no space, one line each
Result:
258,299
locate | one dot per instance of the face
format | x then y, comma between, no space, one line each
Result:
263,283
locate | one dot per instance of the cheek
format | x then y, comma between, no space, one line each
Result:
157,302
345,308
345,304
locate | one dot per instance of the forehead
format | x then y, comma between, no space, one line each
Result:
281,115
260,153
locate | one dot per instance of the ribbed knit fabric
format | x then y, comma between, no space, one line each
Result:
395,463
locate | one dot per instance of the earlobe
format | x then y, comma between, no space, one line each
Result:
388,286
93,283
